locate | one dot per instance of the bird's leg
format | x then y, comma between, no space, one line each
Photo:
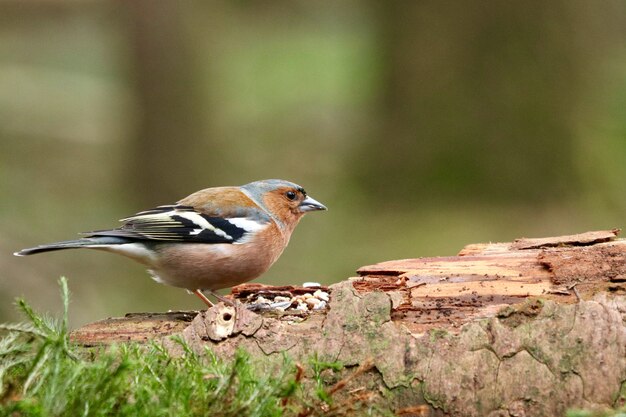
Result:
203,298
208,302
223,299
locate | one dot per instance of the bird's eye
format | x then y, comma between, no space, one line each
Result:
291,195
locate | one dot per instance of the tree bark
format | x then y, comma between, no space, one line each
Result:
531,327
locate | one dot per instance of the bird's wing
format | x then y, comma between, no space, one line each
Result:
182,223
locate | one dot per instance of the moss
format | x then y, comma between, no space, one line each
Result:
435,401
620,400
539,355
404,396
42,374
438,334
518,314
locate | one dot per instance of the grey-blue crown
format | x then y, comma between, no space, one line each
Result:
258,188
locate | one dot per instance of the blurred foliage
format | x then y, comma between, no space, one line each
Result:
483,100
423,126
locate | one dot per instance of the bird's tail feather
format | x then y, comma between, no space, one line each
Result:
87,242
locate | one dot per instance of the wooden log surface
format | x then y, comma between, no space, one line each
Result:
529,327
447,292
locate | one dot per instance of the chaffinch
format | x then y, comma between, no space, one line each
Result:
214,238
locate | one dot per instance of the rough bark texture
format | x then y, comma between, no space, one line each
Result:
499,330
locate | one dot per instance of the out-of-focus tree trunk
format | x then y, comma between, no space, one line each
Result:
483,99
168,157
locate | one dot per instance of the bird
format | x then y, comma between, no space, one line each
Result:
215,238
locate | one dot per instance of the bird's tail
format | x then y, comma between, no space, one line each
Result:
88,242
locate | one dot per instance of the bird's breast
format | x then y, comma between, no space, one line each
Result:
216,266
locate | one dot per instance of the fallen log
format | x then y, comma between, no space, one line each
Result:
530,327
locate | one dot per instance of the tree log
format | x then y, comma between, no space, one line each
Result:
532,327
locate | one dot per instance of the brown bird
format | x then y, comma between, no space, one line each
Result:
215,238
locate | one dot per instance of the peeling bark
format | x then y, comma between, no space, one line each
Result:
495,331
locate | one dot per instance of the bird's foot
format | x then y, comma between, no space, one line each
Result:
208,302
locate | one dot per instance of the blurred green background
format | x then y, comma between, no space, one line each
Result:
423,126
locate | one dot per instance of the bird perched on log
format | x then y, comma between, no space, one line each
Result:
214,238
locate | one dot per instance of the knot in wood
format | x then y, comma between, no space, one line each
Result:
220,322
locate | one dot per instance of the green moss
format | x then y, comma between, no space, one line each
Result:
437,334
438,402
620,399
571,357
518,314
621,412
538,354
42,374
404,396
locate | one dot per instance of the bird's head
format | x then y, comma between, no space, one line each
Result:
283,200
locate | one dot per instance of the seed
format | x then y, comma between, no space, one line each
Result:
281,305
320,306
312,302
322,295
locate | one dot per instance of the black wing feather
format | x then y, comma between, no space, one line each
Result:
177,224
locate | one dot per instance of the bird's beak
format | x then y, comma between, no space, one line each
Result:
310,204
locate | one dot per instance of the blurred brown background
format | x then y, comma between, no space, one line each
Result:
423,126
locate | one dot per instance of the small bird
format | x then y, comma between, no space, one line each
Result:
214,238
